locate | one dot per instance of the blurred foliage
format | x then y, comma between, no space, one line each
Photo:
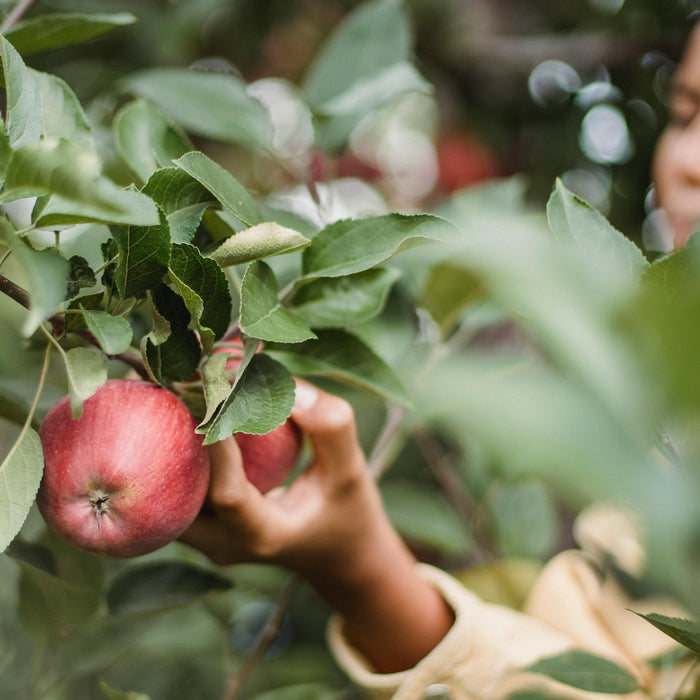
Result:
536,367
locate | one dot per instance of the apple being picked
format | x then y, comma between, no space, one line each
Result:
128,476
267,459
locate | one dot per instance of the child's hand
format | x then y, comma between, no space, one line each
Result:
330,526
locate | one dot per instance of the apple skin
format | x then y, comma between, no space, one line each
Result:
128,476
267,459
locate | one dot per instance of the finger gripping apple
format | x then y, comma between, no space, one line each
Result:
128,476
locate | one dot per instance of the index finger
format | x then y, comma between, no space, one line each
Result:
329,421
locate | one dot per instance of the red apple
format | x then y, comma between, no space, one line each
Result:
267,459
128,476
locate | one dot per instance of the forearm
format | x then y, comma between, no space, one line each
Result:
392,615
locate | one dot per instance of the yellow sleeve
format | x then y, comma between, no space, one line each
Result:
484,653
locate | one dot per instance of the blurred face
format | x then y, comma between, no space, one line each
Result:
676,167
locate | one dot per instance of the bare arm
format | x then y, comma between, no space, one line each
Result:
330,526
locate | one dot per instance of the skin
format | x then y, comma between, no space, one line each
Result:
676,165
330,527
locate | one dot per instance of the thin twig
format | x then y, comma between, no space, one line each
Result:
19,10
265,639
14,291
377,461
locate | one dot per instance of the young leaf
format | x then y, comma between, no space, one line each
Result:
87,371
341,356
262,316
49,31
260,400
353,245
232,195
160,585
585,671
214,105
261,241
63,115
343,301
182,198
24,109
144,254
62,168
570,218
147,138
20,474
81,275
204,288
113,333
685,632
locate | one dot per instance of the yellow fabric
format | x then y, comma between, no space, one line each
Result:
484,653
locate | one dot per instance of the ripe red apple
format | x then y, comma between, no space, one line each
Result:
267,459
128,476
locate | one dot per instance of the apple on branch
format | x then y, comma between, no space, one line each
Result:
128,476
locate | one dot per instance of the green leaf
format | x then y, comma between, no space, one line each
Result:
175,359
50,31
87,372
46,275
204,288
372,92
63,115
182,198
374,37
580,669
215,105
570,218
262,316
232,195
59,167
161,585
24,109
20,475
685,632
354,245
424,517
342,301
447,291
147,138
114,694
259,401
144,255
81,275
341,356
215,384
113,333
261,241
48,604
5,151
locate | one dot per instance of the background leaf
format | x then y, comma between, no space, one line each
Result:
50,31
147,138
580,669
162,584
204,103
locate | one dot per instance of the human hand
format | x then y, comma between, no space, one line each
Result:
330,526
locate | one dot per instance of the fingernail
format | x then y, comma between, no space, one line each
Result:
306,396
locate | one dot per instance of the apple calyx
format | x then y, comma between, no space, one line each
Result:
99,501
